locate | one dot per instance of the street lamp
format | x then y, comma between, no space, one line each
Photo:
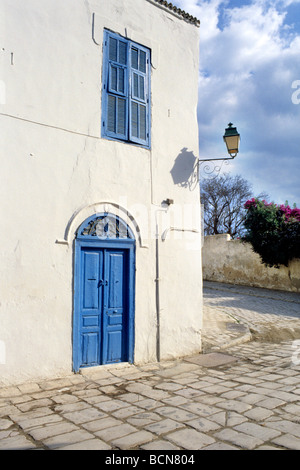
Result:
232,141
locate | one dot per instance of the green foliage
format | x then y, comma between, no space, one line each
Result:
273,231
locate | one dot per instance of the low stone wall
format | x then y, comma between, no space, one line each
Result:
234,262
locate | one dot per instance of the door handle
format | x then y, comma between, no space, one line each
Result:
102,283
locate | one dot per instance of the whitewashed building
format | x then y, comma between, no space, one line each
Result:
100,210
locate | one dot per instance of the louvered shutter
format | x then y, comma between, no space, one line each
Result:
116,87
139,95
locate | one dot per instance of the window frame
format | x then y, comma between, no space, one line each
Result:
134,129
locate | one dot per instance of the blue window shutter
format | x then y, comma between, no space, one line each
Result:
115,88
139,91
126,90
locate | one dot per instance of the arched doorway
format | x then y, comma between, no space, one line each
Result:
104,292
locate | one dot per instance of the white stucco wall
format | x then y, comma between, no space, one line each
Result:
57,171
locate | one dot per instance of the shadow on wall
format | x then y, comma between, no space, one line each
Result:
184,171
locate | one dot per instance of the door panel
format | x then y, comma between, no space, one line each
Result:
115,347
90,349
91,268
115,274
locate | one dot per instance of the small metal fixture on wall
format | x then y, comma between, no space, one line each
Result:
232,141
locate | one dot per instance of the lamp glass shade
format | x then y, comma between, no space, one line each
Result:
232,140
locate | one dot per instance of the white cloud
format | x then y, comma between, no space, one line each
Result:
248,63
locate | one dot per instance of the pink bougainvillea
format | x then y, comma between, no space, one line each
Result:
273,230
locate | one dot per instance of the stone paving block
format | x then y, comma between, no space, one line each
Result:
258,413
177,369
142,419
174,401
171,386
29,388
270,403
269,386
131,397
110,390
234,405
190,439
204,425
201,409
220,446
210,400
255,430
189,392
159,445
249,380
212,359
289,397
111,405
147,391
50,430
273,377
293,408
182,380
177,414
100,424
268,447
163,426
5,423
115,432
96,373
37,413
233,394
7,433
42,394
200,384
29,423
218,389
95,399
23,399
124,413
252,398
83,416
288,441
284,426
91,444
63,440
238,438
34,404
87,393
71,407
56,383
64,398
148,404
9,392
133,440
17,443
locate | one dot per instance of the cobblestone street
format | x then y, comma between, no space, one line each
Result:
246,396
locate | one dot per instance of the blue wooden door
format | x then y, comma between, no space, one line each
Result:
103,306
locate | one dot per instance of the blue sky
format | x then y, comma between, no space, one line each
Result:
250,75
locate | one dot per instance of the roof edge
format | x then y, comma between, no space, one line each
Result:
177,11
